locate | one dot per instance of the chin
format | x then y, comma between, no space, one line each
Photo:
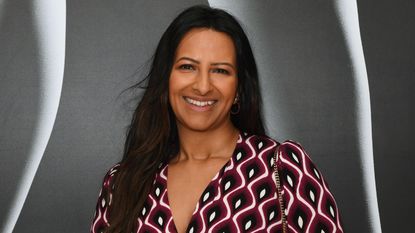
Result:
201,123
200,127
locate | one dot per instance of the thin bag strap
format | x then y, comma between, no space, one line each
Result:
280,200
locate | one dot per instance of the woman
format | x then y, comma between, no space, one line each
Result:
198,131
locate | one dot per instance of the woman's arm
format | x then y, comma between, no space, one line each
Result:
100,221
310,206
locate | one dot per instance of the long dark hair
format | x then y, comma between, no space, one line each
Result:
152,137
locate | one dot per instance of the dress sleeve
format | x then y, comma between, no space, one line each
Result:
100,221
309,204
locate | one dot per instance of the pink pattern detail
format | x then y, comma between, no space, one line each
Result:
242,196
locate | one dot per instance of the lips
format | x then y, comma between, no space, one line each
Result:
199,103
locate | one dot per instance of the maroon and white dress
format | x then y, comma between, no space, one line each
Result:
242,197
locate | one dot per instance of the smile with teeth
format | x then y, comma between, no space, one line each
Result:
199,103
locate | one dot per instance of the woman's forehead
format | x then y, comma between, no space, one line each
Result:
205,43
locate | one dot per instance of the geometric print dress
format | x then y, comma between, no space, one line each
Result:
242,196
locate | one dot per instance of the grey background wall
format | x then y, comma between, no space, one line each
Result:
387,34
307,83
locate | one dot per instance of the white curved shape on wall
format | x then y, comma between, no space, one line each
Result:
242,11
349,19
348,16
50,26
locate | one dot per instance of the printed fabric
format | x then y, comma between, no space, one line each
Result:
242,197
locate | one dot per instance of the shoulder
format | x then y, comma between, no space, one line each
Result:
291,156
289,148
100,220
113,170
303,183
258,149
292,151
108,183
259,142
109,177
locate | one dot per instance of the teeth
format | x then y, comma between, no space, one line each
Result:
199,103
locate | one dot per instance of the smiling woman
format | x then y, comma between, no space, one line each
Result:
203,81
197,158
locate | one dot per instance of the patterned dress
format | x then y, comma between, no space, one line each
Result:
242,196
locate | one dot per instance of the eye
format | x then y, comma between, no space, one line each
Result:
220,71
186,67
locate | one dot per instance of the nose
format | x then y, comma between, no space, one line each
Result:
202,84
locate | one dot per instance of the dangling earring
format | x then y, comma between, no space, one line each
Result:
235,106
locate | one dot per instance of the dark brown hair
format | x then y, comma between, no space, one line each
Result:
152,137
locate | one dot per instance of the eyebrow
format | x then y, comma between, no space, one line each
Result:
213,64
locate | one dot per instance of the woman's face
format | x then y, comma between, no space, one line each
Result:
203,80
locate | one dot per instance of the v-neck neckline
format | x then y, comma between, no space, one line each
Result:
218,173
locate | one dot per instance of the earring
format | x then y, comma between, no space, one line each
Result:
235,106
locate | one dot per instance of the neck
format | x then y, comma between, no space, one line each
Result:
199,146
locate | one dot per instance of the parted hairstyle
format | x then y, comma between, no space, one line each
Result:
152,136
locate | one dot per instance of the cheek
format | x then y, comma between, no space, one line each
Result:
176,85
228,88
172,90
177,81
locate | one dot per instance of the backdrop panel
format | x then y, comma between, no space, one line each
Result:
308,92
